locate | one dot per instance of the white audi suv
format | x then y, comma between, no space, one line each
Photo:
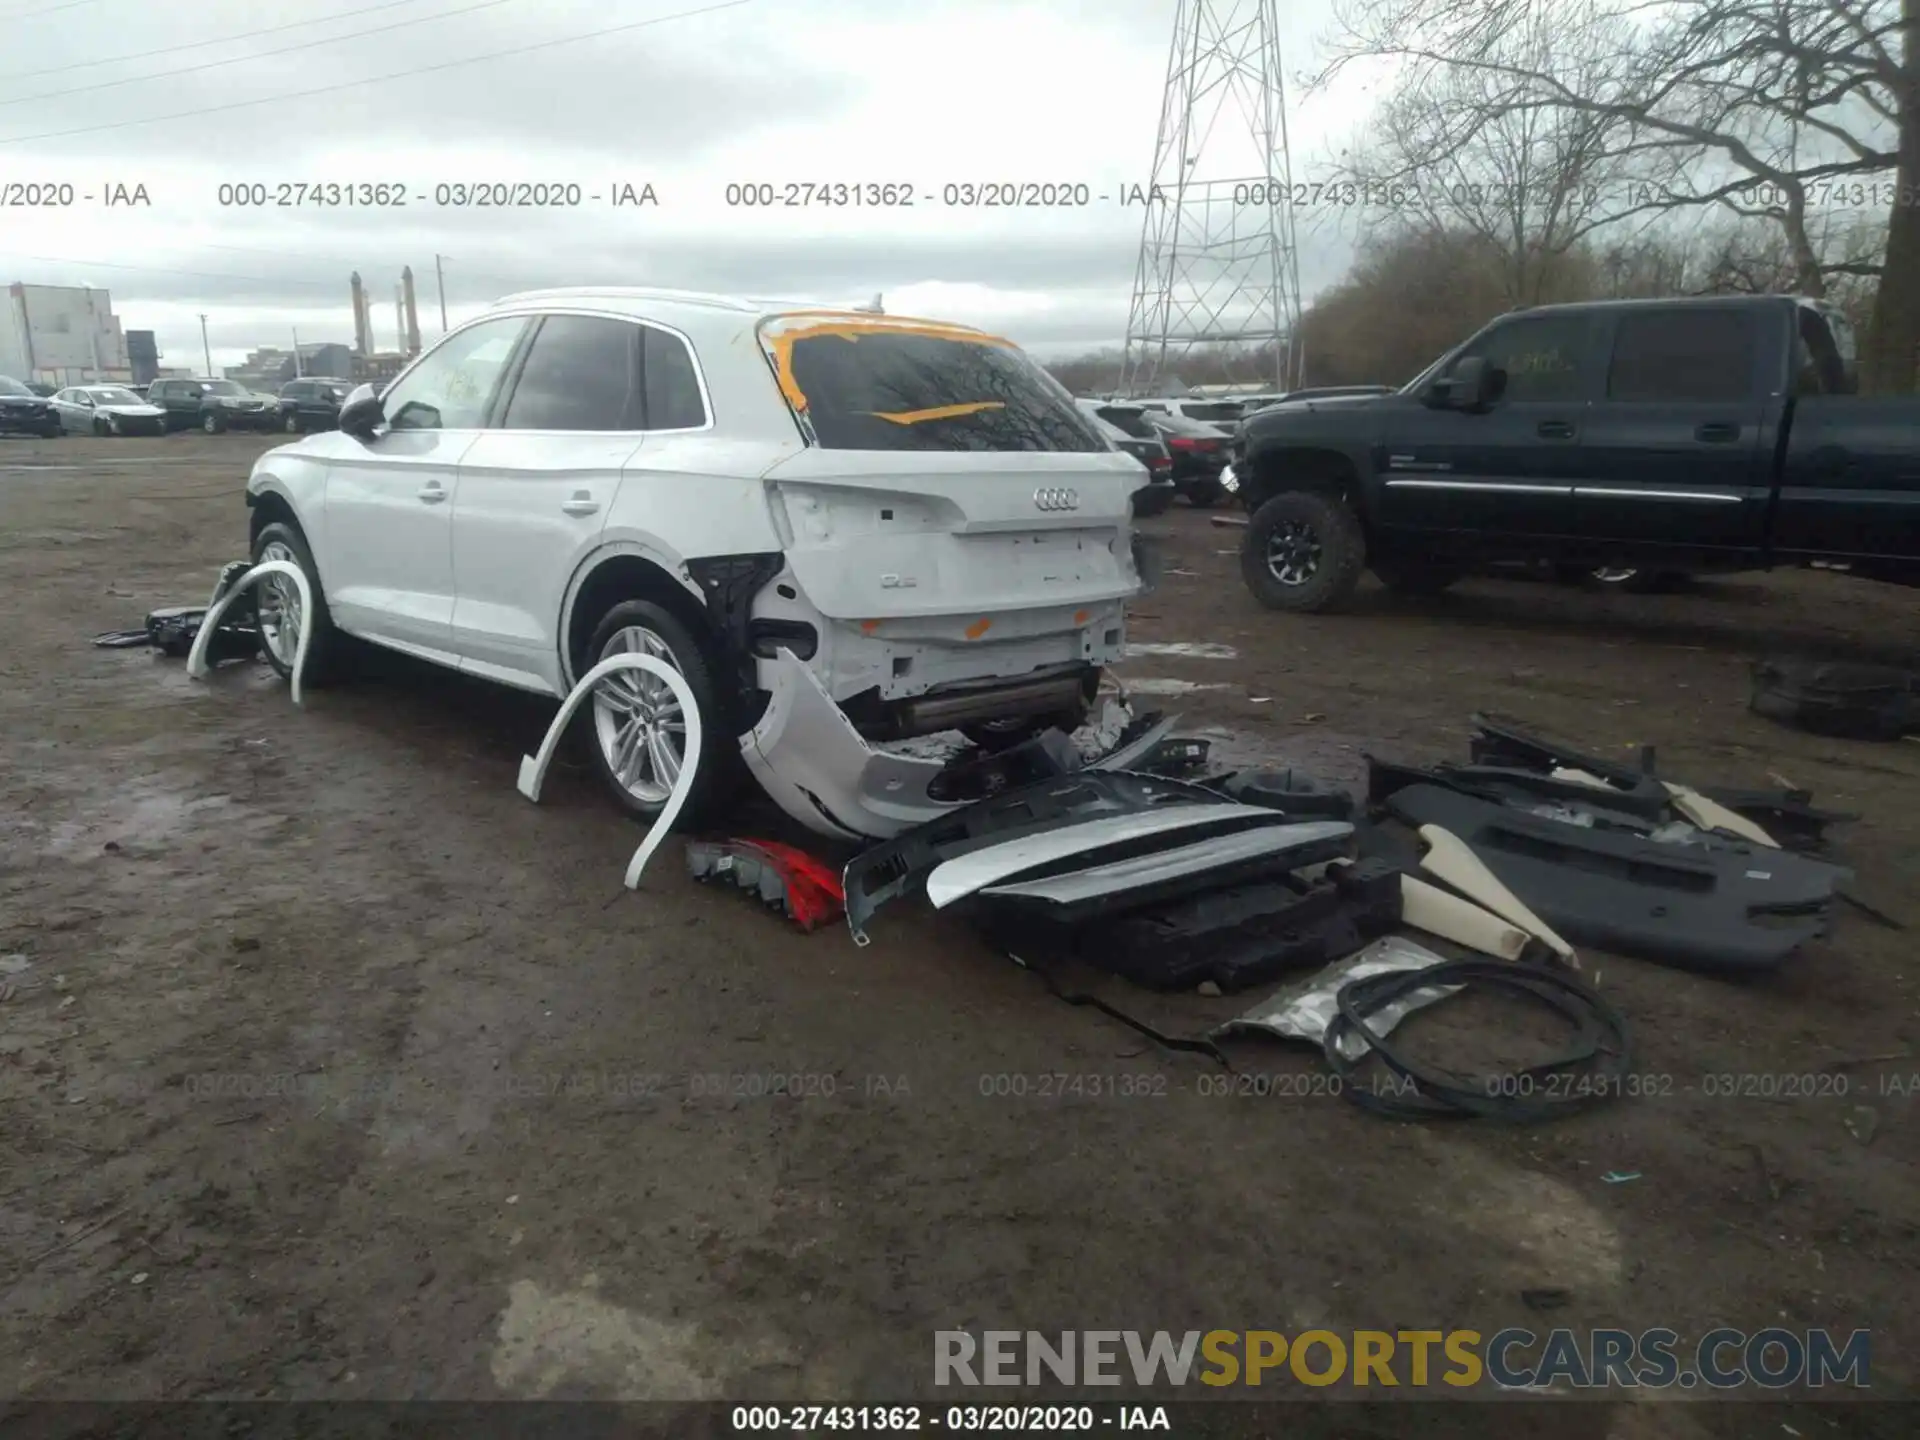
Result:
842,528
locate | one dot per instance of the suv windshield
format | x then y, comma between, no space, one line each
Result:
866,385
1130,419
223,387
10,386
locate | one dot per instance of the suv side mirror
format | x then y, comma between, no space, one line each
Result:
1472,384
362,413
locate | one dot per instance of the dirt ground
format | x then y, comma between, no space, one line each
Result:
332,1068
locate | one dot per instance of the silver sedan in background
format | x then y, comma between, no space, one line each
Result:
107,410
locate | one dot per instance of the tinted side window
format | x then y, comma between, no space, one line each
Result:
581,374
1544,356
1682,355
451,387
1127,419
673,388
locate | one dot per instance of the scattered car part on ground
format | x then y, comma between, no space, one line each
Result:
1306,1009
1234,935
1846,700
1590,1071
806,890
1443,913
1717,905
1454,865
197,663
1137,743
1294,791
533,768
1136,881
1109,836
886,871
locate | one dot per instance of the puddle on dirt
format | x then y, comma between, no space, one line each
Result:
1182,650
145,819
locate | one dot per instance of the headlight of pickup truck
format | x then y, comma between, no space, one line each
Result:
1229,481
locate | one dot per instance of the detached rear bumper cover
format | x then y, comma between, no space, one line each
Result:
809,758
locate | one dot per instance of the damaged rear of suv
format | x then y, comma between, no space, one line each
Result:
844,529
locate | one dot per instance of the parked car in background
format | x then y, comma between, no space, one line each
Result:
311,403
838,527
24,413
106,410
1199,454
213,406
1674,436
1223,413
1126,428
42,388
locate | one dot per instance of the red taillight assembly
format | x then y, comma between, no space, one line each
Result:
1159,462
1188,442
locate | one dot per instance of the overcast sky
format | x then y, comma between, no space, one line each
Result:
923,92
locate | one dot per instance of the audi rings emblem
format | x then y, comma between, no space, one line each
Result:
1053,499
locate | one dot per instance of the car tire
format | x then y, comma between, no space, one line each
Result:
1205,495
327,646
1154,500
292,423
99,426
213,422
1415,575
720,770
1303,552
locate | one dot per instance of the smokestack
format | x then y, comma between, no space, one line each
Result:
413,311
362,337
399,322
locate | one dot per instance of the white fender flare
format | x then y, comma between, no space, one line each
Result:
197,659
533,768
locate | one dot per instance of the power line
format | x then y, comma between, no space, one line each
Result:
256,55
40,70
287,95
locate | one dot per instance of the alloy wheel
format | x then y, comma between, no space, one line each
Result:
637,721
1293,552
277,605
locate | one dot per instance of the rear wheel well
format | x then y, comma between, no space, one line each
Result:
1323,471
631,577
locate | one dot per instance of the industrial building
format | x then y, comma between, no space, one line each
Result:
61,335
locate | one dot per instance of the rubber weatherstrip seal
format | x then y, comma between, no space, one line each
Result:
1080,998
1592,1069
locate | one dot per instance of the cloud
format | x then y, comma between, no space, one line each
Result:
969,92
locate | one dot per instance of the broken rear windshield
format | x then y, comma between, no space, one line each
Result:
880,389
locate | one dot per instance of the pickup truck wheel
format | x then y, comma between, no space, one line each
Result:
277,610
1303,551
1415,576
639,735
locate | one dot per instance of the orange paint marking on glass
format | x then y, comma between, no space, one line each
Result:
978,628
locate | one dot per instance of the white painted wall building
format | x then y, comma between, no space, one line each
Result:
61,334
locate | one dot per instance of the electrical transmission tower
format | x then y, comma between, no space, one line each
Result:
1217,263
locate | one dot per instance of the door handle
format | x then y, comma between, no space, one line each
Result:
433,493
1555,430
581,504
1718,433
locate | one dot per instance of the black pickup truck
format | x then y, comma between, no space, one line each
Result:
1720,433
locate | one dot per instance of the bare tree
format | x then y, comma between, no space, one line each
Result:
1774,110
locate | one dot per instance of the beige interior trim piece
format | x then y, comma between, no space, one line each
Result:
1712,815
1449,859
1439,912
1578,777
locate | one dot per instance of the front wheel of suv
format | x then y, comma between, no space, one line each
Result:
280,615
1303,551
213,422
637,730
